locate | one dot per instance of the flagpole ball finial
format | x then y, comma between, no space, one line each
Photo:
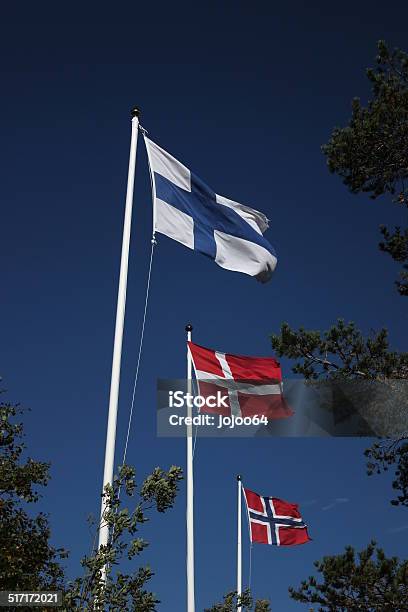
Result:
239,477
135,112
189,327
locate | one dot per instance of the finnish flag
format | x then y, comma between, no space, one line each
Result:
187,210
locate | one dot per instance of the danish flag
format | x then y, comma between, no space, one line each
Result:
253,384
274,521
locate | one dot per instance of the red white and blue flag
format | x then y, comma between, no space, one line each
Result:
253,384
274,521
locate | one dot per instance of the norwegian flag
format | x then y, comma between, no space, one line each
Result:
253,384
274,521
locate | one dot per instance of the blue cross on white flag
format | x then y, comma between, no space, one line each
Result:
188,211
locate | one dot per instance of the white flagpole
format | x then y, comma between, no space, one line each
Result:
190,489
120,320
239,544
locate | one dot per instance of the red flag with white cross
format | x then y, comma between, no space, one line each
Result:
253,384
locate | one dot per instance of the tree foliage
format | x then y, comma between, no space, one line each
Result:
231,602
366,581
343,352
27,559
29,562
371,153
381,456
123,591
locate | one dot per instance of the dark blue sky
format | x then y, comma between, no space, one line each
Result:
244,95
